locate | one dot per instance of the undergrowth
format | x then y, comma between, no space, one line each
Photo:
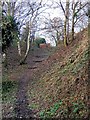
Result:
9,89
59,109
74,68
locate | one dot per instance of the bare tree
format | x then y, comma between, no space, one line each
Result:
54,27
66,21
74,13
34,10
77,13
25,11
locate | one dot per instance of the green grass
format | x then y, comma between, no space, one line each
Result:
9,89
78,110
75,68
33,106
51,112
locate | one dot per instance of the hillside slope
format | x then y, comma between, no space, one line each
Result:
60,90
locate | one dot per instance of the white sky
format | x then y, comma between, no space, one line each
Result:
53,12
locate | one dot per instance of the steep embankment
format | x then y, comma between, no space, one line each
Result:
61,88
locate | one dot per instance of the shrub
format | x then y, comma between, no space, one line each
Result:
39,41
9,31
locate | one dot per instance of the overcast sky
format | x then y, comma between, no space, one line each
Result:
53,12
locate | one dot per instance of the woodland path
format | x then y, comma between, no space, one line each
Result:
21,106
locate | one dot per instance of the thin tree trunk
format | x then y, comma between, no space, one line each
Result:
57,37
66,24
65,35
56,42
67,21
27,50
5,59
8,13
19,48
73,17
73,28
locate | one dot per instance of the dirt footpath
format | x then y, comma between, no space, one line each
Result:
34,60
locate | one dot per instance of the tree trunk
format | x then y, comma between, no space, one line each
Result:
73,28
67,20
66,24
56,42
5,59
9,5
19,48
57,38
65,35
27,50
73,17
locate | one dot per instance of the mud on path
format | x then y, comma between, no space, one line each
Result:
21,106
34,60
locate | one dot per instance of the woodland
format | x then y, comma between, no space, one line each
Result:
45,59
